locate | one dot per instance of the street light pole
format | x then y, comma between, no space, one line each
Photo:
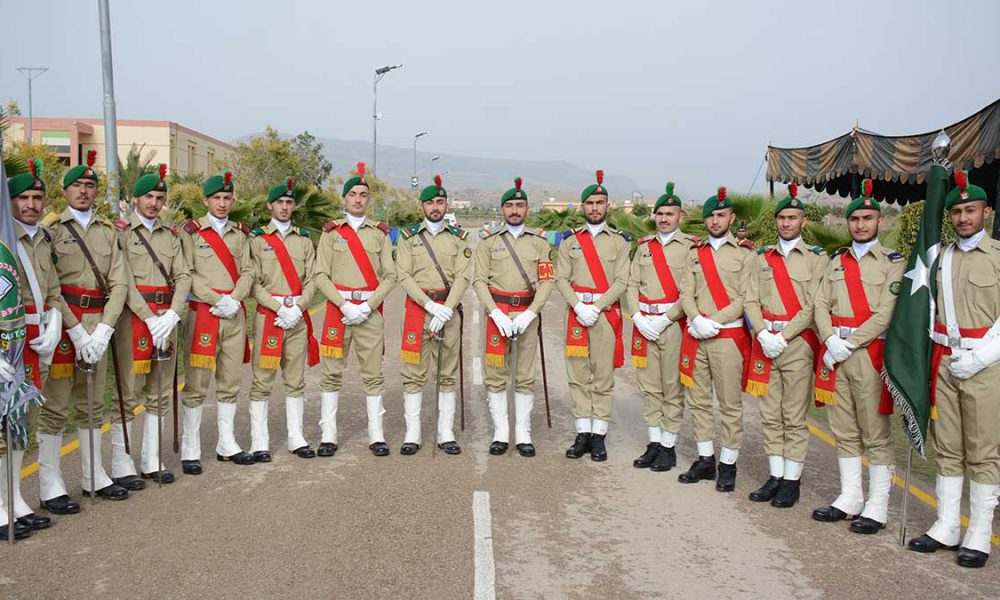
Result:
379,74
414,182
31,73
436,158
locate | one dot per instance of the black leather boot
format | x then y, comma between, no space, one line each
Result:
598,452
703,468
727,478
581,446
665,460
788,494
647,457
768,491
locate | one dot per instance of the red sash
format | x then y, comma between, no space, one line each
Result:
640,345
206,335
826,379
270,354
759,373
496,344
741,335
332,341
939,351
32,364
577,338
212,237
413,330
64,359
142,340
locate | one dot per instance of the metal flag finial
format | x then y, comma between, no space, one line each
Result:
940,148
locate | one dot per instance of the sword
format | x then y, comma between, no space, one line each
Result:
159,356
89,369
906,497
10,483
512,367
121,397
545,377
437,385
461,366
177,427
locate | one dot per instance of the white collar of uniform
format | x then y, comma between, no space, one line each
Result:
966,244
718,242
665,238
149,223
82,217
515,230
595,229
281,226
219,225
31,230
862,248
355,222
787,245
434,228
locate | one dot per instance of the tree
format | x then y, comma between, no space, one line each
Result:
641,210
13,108
19,153
266,160
135,167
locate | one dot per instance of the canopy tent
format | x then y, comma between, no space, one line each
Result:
897,164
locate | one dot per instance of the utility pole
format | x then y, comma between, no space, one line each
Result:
110,119
379,74
31,73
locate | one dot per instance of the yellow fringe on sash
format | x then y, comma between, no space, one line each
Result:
639,362
756,388
270,362
686,381
494,360
200,361
825,397
933,413
409,356
577,351
142,367
331,351
62,371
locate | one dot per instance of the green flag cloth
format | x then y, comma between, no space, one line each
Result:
907,370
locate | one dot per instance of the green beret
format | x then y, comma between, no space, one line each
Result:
433,191
218,183
32,180
865,200
669,198
282,190
514,193
595,188
151,182
719,200
358,179
962,193
791,200
82,171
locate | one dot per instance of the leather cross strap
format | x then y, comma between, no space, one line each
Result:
156,259
102,283
517,261
433,257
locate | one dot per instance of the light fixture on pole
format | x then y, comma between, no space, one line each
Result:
379,74
31,73
414,182
431,168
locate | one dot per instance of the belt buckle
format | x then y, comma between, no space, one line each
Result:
356,295
515,301
777,326
84,301
843,332
587,297
288,301
158,297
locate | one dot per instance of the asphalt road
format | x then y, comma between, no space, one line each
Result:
356,526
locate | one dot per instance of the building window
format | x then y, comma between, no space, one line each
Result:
191,158
210,159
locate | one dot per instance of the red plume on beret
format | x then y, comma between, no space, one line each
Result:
163,171
721,194
361,170
793,189
962,179
290,182
227,178
437,180
600,177
34,169
517,183
866,186
91,157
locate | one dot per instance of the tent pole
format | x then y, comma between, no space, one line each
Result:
770,186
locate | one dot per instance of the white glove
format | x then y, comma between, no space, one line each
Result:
352,313
645,326
966,365
153,324
660,323
586,314
773,344
438,310
503,322
50,331
703,328
80,338
435,325
98,345
6,371
366,311
522,321
829,361
288,316
839,349
164,327
225,308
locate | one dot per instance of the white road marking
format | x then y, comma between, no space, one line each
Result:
477,370
485,586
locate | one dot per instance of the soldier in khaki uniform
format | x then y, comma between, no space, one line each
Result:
432,265
218,252
513,294
592,274
147,328
355,271
42,305
778,302
283,259
853,309
716,345
965,379
92,306
658,325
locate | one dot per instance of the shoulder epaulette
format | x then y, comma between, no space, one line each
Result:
748,244
303,232
122,224
694,239
329,226
841,250
192,226
763,249
47,234
643,240
108,222
486,231
568,233
461,233
382,226
820,250
409,231
894,256
257,231
539,232
242,227
624,234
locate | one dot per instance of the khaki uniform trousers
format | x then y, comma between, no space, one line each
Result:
660,381
368,341
718,364
294,353
967,428
783,410
497,378
854,419
415,376
592,378
228,372
63,395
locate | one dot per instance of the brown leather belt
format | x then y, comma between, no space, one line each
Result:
513,300
158,297
84,301
436,296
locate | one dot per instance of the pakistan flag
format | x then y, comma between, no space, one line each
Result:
907,343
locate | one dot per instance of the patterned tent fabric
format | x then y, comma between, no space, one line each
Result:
898,164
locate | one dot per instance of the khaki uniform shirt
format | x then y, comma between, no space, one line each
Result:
73,269
643,278
976,285
571,267
270,279
207,270
805,267
39,252
335,265
416,271
733,263
495,268
167,244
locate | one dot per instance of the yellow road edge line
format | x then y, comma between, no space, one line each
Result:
917,493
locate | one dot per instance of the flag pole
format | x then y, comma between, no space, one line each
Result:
906,496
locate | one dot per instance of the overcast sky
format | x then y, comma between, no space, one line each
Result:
691,91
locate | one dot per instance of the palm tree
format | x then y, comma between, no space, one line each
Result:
826,236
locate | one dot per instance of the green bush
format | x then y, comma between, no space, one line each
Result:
909,226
